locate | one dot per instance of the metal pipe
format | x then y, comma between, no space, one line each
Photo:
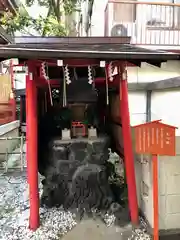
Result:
21,110
12,99
148,105
21,153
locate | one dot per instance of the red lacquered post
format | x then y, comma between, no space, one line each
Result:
128,149
32,164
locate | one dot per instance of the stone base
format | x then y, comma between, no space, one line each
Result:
77,173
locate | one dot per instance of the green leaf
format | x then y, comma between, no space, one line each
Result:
51,25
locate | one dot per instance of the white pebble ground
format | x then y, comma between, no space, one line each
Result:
14,215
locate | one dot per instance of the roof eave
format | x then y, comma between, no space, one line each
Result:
25,53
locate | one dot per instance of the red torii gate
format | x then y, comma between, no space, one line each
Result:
31,133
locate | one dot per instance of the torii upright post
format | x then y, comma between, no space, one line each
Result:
128,150
32,164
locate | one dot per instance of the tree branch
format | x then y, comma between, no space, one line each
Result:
48,14
56,9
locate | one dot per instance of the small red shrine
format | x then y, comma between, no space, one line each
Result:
42,55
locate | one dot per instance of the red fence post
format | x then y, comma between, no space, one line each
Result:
32,164
128,149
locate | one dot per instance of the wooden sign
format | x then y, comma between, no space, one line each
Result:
5,86
155,138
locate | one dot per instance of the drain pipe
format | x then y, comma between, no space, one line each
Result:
148,105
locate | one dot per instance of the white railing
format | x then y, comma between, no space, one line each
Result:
153,23
16,158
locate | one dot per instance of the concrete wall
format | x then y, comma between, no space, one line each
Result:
137,107
10,130
148,73
165,106
169,190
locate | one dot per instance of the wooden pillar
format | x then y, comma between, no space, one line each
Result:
32,164
128,149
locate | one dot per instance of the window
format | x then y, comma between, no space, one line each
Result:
164,16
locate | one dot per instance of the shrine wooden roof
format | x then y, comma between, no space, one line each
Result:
105,48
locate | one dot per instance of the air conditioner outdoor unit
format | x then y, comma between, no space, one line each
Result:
125,29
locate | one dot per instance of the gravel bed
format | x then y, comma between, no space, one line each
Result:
14,215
